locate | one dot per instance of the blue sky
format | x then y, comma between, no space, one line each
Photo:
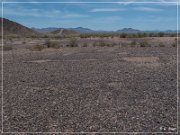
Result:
102,16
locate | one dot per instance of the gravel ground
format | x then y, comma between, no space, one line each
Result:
98,89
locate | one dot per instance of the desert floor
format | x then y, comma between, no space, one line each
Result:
90,89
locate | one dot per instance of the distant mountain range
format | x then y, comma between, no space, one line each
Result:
87,30
128,30
13,28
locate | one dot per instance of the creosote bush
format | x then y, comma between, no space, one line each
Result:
37,48
144,44
133,44
73,43
52,44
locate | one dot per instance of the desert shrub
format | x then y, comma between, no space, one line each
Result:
140,35
144,34
24,42
151,34
85,45
102,43
112,44
73,43
134,35
133,44
52,44
123,35
47,43
161,45
174,45
173,34
144,44
34,36
95,44
6,48
83,36
45,36
124,45
160,34
37,48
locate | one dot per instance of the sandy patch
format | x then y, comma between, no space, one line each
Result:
141,59
149,65
44,61
38,61
115,84
122,53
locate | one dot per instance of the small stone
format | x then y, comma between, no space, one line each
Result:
171,129
162,128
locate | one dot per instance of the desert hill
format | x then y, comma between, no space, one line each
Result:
16,29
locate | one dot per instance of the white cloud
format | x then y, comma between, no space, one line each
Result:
160,2
148,9
74,15
107,9
29,12
21,11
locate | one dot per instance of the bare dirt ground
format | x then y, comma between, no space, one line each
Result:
90,89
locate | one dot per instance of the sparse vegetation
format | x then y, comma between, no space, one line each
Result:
160,34
123,35
6,48
52,44
174,45
144,44
102,43
24,42
161,45
94,44
124,45
37,48
85,45
133,44
127,35
73,42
